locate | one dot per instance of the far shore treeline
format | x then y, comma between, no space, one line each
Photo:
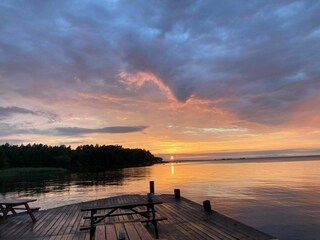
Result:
84,157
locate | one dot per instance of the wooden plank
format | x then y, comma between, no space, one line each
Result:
74,222
100,233
120,229
54,218
12,228
45,217
192,220
142,231
187,229
60,226
131,231
111,232
176,221
41,216
198,216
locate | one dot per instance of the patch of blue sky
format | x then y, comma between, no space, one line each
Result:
64,26
295,77
289,10
314,34
223,34
209,51
178,35
150,32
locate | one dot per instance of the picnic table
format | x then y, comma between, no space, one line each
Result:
11,205
145,210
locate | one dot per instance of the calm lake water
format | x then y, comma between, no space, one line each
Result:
278,196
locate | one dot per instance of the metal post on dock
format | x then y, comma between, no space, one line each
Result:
152,187
207,206
177,193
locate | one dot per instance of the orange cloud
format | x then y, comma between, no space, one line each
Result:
140,78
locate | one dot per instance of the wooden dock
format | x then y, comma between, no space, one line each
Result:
186,220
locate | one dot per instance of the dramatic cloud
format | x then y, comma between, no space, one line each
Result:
108,63
262,55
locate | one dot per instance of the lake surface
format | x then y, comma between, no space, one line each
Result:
278,196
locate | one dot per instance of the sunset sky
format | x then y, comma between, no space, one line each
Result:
192,79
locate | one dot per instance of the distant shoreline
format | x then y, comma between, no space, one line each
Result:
246,159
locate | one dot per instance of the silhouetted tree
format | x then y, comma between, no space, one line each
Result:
3,159
83,157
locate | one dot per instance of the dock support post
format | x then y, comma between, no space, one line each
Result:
177,193
152,187
207,206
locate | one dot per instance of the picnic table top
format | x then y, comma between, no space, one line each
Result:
15,201
122,205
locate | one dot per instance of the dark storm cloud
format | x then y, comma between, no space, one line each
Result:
10,129
258,58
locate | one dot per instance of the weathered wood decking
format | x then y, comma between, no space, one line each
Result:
186,220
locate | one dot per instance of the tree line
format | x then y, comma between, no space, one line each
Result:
83,157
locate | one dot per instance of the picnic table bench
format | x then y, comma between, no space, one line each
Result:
145,210
11,205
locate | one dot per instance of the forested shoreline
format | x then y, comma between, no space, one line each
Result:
85,157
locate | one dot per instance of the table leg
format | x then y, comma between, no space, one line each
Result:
2,208
6,209
12,209
148,214
153,212
154,222
92,226
1,211
30,212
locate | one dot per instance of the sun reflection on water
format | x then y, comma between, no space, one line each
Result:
172,169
